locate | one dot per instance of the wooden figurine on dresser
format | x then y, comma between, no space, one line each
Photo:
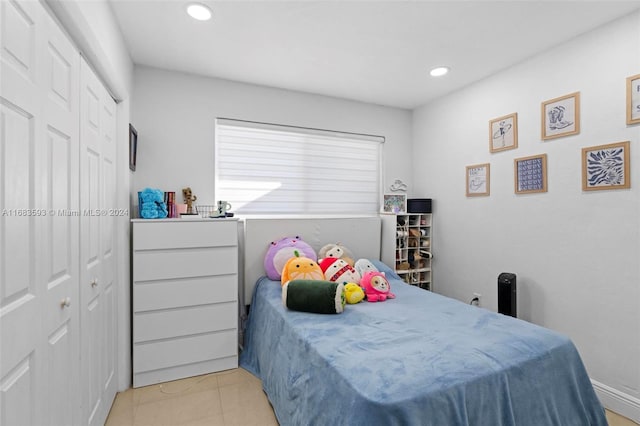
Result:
189,198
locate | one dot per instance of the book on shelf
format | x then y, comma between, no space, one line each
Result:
170,202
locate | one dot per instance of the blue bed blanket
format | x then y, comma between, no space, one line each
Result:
418,359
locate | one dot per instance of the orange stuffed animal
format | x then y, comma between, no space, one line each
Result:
300,268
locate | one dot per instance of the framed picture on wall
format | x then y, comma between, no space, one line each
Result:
606,167
478,180
561,116
133,147
503,133
530,174
633,99
394,203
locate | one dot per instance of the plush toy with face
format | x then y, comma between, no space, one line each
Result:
339,271
363,266
336,250
353,293
376,287
279,252
301,268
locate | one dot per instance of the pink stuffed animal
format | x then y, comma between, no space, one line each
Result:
376,287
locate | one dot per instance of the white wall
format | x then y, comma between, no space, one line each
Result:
174,114
576,254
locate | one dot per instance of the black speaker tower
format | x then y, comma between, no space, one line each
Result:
507,294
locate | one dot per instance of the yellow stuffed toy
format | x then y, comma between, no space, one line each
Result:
353,293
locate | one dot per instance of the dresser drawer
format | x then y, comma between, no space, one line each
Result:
172,323
192,349
185,263
154,295
185,298
184,234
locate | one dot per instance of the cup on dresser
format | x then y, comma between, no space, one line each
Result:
223,208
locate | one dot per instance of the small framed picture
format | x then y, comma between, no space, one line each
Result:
133,147
503,133
478,180
394,203
606,167
530,174
633,99
561,116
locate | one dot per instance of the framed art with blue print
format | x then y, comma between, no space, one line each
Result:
503,133
606,167
633,99
478,180
561,116
530,174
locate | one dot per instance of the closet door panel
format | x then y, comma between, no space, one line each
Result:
20,27
107,244
57,173
98,265
90,173
21,350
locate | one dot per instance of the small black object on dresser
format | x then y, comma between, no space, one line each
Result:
419,205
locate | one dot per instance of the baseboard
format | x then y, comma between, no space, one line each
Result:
618,402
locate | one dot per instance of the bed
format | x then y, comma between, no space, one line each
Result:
418,359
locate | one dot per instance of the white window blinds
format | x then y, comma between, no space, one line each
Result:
269,169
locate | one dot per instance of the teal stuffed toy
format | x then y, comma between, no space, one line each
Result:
152,204
320,297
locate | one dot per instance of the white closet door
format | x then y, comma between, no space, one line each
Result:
97,262
39,307
57,174
20,331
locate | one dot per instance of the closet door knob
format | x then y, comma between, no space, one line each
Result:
65,303
94,283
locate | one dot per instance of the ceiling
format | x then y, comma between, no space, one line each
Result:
371,51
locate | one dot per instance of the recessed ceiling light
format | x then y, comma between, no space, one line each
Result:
439,71
199,11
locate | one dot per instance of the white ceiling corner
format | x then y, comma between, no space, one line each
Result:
371,51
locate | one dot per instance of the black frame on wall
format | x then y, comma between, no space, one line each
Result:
133,147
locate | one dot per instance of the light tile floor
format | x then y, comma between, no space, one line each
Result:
228,398
232,397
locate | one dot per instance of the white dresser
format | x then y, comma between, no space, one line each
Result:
185,298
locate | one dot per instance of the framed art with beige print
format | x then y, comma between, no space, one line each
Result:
478,180
503,133
606,167
530,174
561,116
633,99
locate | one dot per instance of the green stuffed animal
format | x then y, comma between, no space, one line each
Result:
320,297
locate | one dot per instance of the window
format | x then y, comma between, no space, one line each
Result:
270,169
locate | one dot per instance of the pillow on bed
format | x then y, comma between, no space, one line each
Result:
301,268
363,266
320,297
338,251
279,252
338,270
376,287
